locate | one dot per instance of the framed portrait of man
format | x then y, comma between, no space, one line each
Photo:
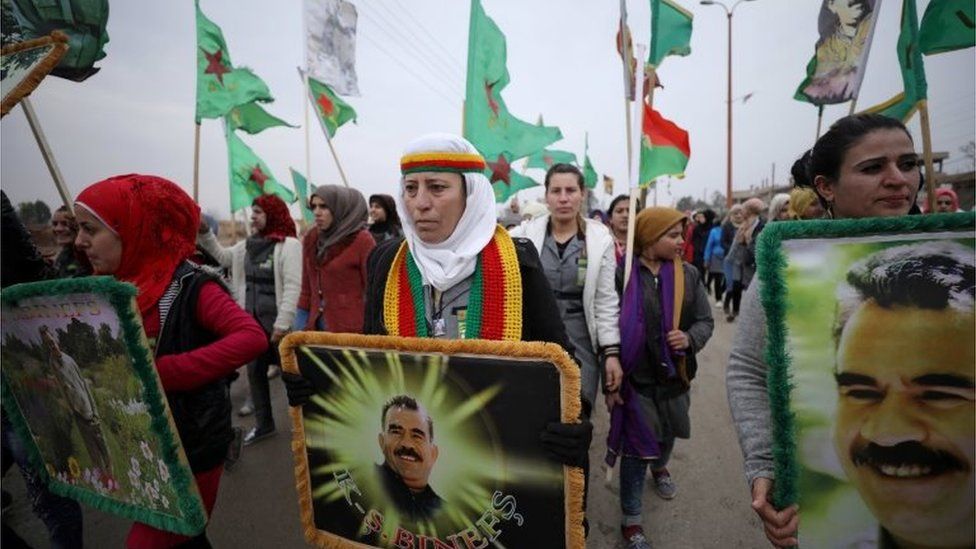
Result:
870,346
426,443
80,388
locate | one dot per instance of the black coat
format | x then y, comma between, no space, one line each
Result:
540,314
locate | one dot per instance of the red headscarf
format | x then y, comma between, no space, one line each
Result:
279,224
157,223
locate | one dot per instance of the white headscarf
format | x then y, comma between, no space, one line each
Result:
446,264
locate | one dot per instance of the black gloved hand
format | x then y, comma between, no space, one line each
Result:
568,443
299,389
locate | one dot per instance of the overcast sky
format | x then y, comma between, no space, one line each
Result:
136,115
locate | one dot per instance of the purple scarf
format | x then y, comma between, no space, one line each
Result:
629,433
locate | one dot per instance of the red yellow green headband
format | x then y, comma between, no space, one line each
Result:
442,162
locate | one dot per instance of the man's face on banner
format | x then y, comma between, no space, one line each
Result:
905,419
407,445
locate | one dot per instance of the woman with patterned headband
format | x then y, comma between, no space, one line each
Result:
461,269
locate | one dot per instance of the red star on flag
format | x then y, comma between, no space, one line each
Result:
492,104
215,65
258,176
501,170
326,106
547,160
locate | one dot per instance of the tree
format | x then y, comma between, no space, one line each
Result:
690,203
969,151
34,213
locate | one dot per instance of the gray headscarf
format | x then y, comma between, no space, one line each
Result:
349,215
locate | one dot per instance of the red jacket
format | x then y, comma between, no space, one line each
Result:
339,281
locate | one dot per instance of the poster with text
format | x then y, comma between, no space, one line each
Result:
871,341
433,443
80,387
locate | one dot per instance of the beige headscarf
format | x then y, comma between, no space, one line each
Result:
349,215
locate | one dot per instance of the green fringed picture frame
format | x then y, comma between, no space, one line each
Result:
431,443
80,388
870,355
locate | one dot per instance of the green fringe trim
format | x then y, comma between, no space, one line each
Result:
773,296
121,296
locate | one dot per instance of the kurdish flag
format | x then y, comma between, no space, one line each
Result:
221,87
249,175
331,110
670,31
665,147
545,158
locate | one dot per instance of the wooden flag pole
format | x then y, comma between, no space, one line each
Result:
342,174
308,155
819,122
853,106
923,111
47,154
196,163
634,174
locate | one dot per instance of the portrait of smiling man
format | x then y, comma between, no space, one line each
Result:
409,454
904,431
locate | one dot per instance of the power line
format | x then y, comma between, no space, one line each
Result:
448,80
453,70
410,72
417,24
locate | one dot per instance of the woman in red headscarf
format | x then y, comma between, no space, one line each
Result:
266,278
140,229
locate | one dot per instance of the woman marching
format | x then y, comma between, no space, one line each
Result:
266,278
864,166
384,223
334,257
577,256
140,229
665,320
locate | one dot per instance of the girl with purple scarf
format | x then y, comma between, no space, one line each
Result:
665,319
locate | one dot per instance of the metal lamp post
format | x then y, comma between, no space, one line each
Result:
728,172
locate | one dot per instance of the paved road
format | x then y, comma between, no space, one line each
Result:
257,506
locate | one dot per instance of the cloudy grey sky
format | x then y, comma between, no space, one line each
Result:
136,115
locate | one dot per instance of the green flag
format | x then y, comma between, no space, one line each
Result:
589,174
487,122
545,158
947,25
903,105
221,87
249,175
331,110
301,190
670,31
84,22
251,118
504,191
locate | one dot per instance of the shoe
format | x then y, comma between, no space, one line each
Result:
730,317
274,371
634,537
254,435
247,409
234,448
664,484
718,304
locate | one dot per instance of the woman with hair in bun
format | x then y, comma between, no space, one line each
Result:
141,229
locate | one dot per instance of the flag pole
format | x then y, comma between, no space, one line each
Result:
342,174
196,163
308,155
634,175
47,154
923,111
853,106
819,122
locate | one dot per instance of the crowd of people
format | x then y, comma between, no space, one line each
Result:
635,335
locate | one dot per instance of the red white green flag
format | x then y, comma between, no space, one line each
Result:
665,147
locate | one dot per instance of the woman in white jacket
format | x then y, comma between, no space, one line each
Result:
266,278
577,256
